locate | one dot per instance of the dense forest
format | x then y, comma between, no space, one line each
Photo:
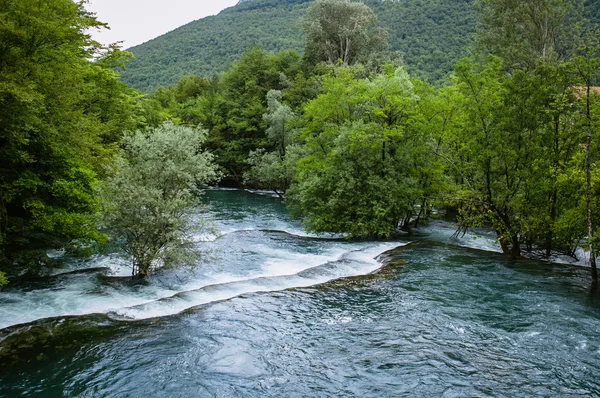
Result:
354,142
429,35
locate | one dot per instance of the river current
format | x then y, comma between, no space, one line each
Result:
275,312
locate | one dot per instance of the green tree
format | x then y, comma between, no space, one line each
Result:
524,33
61,117
274,170
271,171
355,188
587,64
357,175
151,198
489,151
278,117
241,127
341,30
512,140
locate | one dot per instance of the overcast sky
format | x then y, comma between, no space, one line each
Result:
137,21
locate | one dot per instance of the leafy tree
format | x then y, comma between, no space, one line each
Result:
244,87
271,171
61,117
513,141
274,170
278,117
341,30
190,87
587,64
150,199
357,176
489,161
355,188
523,33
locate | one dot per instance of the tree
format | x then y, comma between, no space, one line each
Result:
61,116
357,174
587,65
523,33
278,117
244,87
271,171
150,199
492,149
274,170
341,30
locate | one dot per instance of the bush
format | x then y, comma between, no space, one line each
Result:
151,198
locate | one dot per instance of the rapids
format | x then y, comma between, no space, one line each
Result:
276,312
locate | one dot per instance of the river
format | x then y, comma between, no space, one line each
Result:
275,312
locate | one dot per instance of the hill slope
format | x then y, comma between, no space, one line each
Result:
430,34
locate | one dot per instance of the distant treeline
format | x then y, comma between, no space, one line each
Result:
429,35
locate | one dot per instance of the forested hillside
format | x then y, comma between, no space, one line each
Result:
360,146
430,35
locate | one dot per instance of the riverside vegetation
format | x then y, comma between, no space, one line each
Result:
354,143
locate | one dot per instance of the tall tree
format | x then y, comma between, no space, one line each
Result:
356,176
274,170
341,30
524,33
495,148
61,114
241,126
587,64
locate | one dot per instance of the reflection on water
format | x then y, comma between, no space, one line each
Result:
308,317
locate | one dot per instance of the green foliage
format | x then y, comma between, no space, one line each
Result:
278,117
430,35
61,116
513,151
241,127
525,33
271,171
363,140
341,30
360,187
275,170
592,12
150,199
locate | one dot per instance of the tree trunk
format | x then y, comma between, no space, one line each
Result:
504,244
549,234
588,193
423,203
554,197
515,251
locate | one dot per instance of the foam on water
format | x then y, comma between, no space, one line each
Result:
74,296
239,266
355,263
582,258
479,239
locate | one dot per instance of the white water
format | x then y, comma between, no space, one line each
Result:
486,240
244,259
248,256
354,263
474,238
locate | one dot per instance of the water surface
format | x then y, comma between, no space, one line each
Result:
276,312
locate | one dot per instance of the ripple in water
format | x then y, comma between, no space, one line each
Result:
436,320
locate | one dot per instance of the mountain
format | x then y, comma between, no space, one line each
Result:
430,34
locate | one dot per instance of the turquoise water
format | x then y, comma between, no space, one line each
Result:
275,312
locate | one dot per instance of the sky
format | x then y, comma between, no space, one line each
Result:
137,21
